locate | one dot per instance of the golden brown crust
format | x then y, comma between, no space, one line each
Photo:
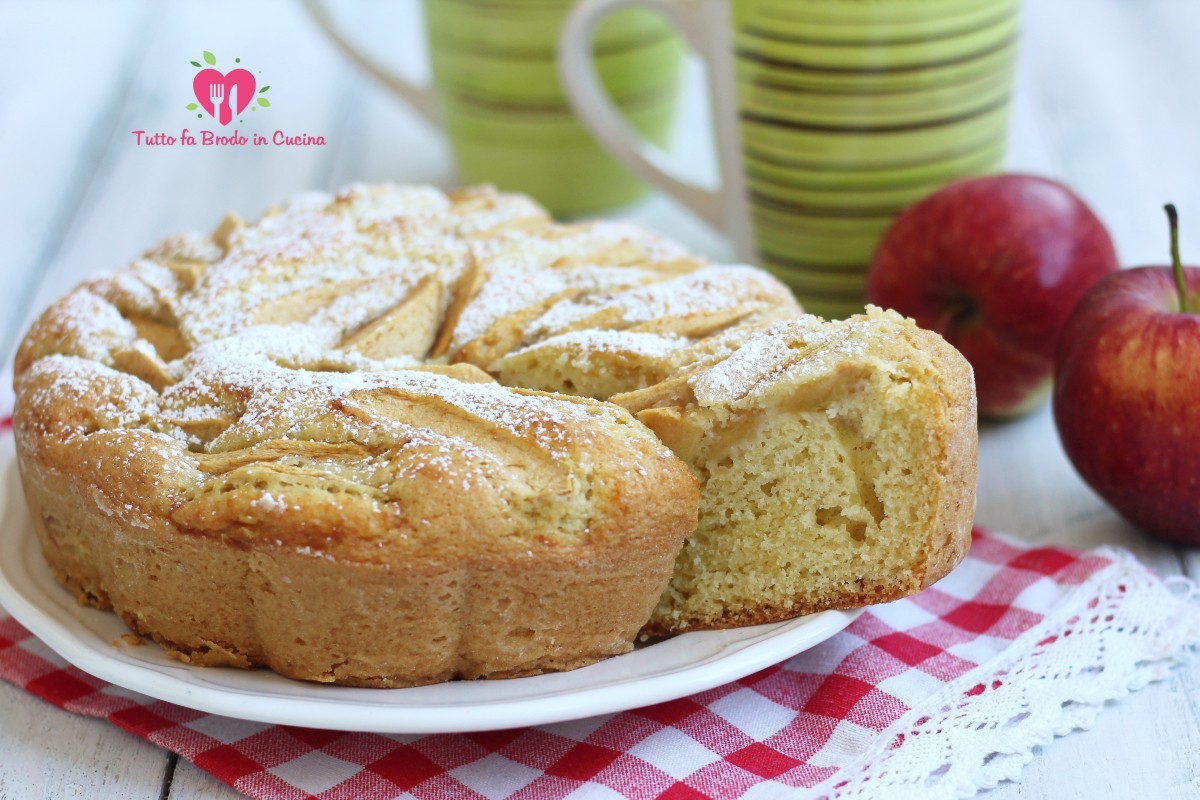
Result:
285,444
235,444
949,535
183,547
213,603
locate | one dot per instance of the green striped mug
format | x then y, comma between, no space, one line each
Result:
830,116
496,94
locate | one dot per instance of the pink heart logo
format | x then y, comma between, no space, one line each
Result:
216,92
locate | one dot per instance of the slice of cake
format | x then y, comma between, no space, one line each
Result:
837,463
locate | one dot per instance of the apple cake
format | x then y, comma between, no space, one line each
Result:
396,436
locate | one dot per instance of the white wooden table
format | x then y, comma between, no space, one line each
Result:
1107,100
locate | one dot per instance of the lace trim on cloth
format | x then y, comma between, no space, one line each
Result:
1118,631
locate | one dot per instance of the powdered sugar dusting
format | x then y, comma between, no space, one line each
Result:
270,503
633,343
264,334
526,269
706,290
791,352
277,382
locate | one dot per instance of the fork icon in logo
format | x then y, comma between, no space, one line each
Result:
224,96
216,94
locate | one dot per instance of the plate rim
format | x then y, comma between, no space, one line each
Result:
59,625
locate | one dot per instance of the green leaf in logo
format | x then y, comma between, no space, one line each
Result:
191,106
209,58
262,101
196,64
263,89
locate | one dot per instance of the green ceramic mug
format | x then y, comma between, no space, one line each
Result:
496,93
830,117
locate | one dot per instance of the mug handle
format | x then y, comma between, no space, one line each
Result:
420,98
707,27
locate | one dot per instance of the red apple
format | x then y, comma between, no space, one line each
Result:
1127,395
995,265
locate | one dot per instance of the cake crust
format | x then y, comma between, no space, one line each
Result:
324,443
279,553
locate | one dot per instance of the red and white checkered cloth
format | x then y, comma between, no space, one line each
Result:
904,697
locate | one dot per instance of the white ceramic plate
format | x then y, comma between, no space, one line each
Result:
656,673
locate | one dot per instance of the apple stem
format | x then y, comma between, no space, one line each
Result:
1176,263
